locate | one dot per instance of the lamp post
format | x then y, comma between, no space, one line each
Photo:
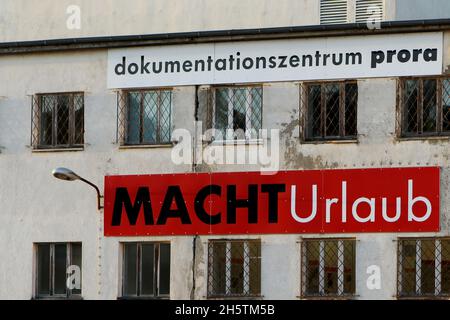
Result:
68,175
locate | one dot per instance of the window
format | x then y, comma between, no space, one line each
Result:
238,112
330,111
58,121
424,107
424,267
328,268
234,268
145,117
58,270
146,270
348,11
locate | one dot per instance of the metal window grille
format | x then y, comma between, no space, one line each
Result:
424,107
53,260
333,11
329,110
57,121
234,268
237,112
146,270
369,10
144,117
424,267
328,268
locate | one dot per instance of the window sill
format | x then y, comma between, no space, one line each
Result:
425,297
236,142
424,138
331,141
257,297
145,146
72,298
56,150
348,297
142,298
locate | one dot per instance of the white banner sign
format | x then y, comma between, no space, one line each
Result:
411,54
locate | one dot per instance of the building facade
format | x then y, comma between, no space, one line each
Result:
61,105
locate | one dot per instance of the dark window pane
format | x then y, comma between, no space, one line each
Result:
256,110
76,260
134,118
255,267
349,267
446,105
79,119
165,116
429,106
60,268
331,267
147,269
130,270
411,101
221,113
164,269
46,116
150,114
408,267
427,267
314,111
332,110
217,278
351,106
43,266
445,267
237,268
62,120
311,269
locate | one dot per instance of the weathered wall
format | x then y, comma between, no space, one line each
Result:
37,208
422,9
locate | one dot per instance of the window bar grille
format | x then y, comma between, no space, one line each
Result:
322,268
340,267
437,279
246,268
400,267
418,266
228,268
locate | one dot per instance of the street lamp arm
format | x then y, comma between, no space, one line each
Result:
99,196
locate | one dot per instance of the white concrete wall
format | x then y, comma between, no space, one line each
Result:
31,20
37,208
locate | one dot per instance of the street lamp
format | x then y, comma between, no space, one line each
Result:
68,175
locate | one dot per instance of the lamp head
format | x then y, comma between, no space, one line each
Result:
65,174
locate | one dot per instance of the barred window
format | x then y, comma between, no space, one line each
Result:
328,268
238,112
57,121
58,270
234,268
424,267
330,110
145,117
146,270
424,106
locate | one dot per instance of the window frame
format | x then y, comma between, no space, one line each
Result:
69,295
399,285
400,109
248,111
122,134
156,271
36,121
305,108
211,294
303,276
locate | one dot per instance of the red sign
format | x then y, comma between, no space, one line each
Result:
290,202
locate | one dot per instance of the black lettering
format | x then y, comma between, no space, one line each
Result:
326,56
181,212
247,63
309,58
144,66
377,58
273,190
172,66
155,70
282,63
120,67
353,56
199,204
260,60
294,61
133,68
199,63
122,200
416,54
390,55
337,62
187,66
272,62
430,55
251,204
403,56
221,65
